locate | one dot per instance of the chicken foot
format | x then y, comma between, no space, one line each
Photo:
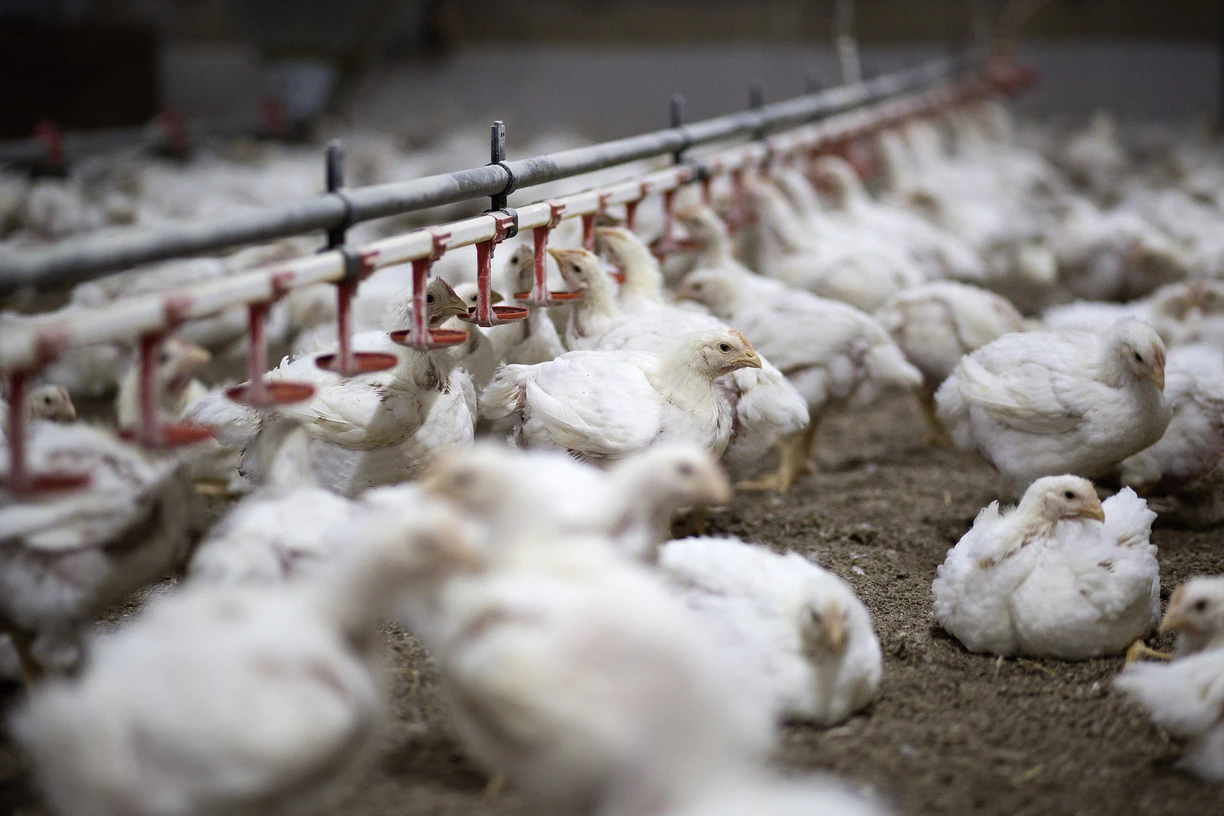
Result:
935,435
31,669
1139,650
795,455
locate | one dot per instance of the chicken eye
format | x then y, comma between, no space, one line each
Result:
685,469
1069,495
514,260
163,358
577,270
1200,605
1138,357
429,298
724,348
696,287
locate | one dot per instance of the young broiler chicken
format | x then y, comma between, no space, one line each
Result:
1193,444
477,356
830,351
602,406
828,263
68,555
804,640
534,340
529,493
571,671
1186,697
175,385
1062,575
939,254
44,402
283,530
371,429
766,408
1043,403
238,699
936,324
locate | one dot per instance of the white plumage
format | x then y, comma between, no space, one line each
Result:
1061,575
802,638
67,556
829,351
574,673
1043,403
234,700
523,494
1186,698
1193,444
603,406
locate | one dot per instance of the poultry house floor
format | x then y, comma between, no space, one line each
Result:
951,732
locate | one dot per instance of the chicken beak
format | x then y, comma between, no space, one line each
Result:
835,629
496,297
718,489
1096,511
1158,373
749,359
617,275
454,307
194,358
1174,619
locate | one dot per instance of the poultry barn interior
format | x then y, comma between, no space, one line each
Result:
634,408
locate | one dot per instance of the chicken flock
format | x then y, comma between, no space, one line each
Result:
1053,304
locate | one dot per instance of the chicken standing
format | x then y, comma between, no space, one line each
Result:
830,351
1062,575
1042,403
936,324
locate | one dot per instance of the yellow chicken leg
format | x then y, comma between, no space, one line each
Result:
1139,650
935,436
31,671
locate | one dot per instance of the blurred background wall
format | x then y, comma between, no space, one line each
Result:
606,66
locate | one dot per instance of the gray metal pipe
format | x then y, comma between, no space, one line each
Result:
89,258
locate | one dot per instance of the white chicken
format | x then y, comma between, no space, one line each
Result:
1186,696
829,264
1043,403
935,324
534,340
804,640
828,350
175,385
602,406
523,494
571,671
940,254
1062,575
370,429
198,707
69,555
43,402
1193,444
766,408
477,356
284,530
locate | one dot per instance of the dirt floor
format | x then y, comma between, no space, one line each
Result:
951,733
